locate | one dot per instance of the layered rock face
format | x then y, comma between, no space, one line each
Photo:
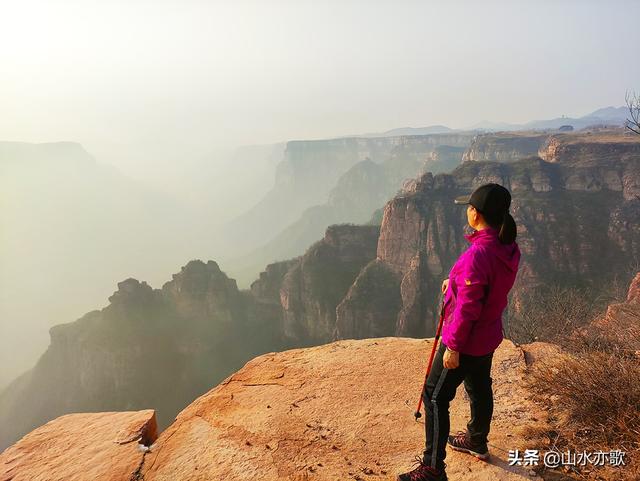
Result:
369,185
326,182
371,305
597,145
589,148
313,287
577,218
322,162
343,410
295,300
505,147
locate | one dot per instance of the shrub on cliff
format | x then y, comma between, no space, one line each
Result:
554,312
592,395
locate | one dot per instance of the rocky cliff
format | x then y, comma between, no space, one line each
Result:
505,146
313,286
322,162
577,216
164,347
324,182
305,178
296,300
76,447
300,414
307,413
148,347
596,145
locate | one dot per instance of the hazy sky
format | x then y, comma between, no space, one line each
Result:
150,82
158,87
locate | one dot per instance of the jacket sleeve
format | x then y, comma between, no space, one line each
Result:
471,279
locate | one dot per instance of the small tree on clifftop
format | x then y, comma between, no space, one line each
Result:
633,103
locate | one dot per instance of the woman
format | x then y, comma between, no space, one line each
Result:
475,297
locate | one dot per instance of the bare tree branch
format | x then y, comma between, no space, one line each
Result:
633,104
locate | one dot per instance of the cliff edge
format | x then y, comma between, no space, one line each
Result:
78,447
339,411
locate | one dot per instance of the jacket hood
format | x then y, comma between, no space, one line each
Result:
509,254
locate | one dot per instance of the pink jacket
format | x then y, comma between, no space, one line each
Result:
479,283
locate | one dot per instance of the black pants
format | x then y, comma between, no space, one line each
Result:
441,388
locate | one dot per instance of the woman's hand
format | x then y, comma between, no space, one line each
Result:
451,359
445,284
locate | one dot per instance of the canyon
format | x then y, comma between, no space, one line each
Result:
575,200
324,182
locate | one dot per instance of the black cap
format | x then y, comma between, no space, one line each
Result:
492,200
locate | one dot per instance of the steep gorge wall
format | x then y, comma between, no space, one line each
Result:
577,215
504,147
365,187
322,162
313,286
148,347
164,347
308,177
578,224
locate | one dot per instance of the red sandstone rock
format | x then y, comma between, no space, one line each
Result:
633,297
334,412
556,182
621,322
81,447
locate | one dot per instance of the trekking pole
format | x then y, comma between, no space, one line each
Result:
418,414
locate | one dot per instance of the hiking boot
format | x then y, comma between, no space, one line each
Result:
462,442
423,473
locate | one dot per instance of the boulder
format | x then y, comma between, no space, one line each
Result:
106,446
339,411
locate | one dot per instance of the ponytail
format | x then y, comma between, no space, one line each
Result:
508,230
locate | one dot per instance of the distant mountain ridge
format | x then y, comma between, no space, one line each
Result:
431,129
606,115
615,116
